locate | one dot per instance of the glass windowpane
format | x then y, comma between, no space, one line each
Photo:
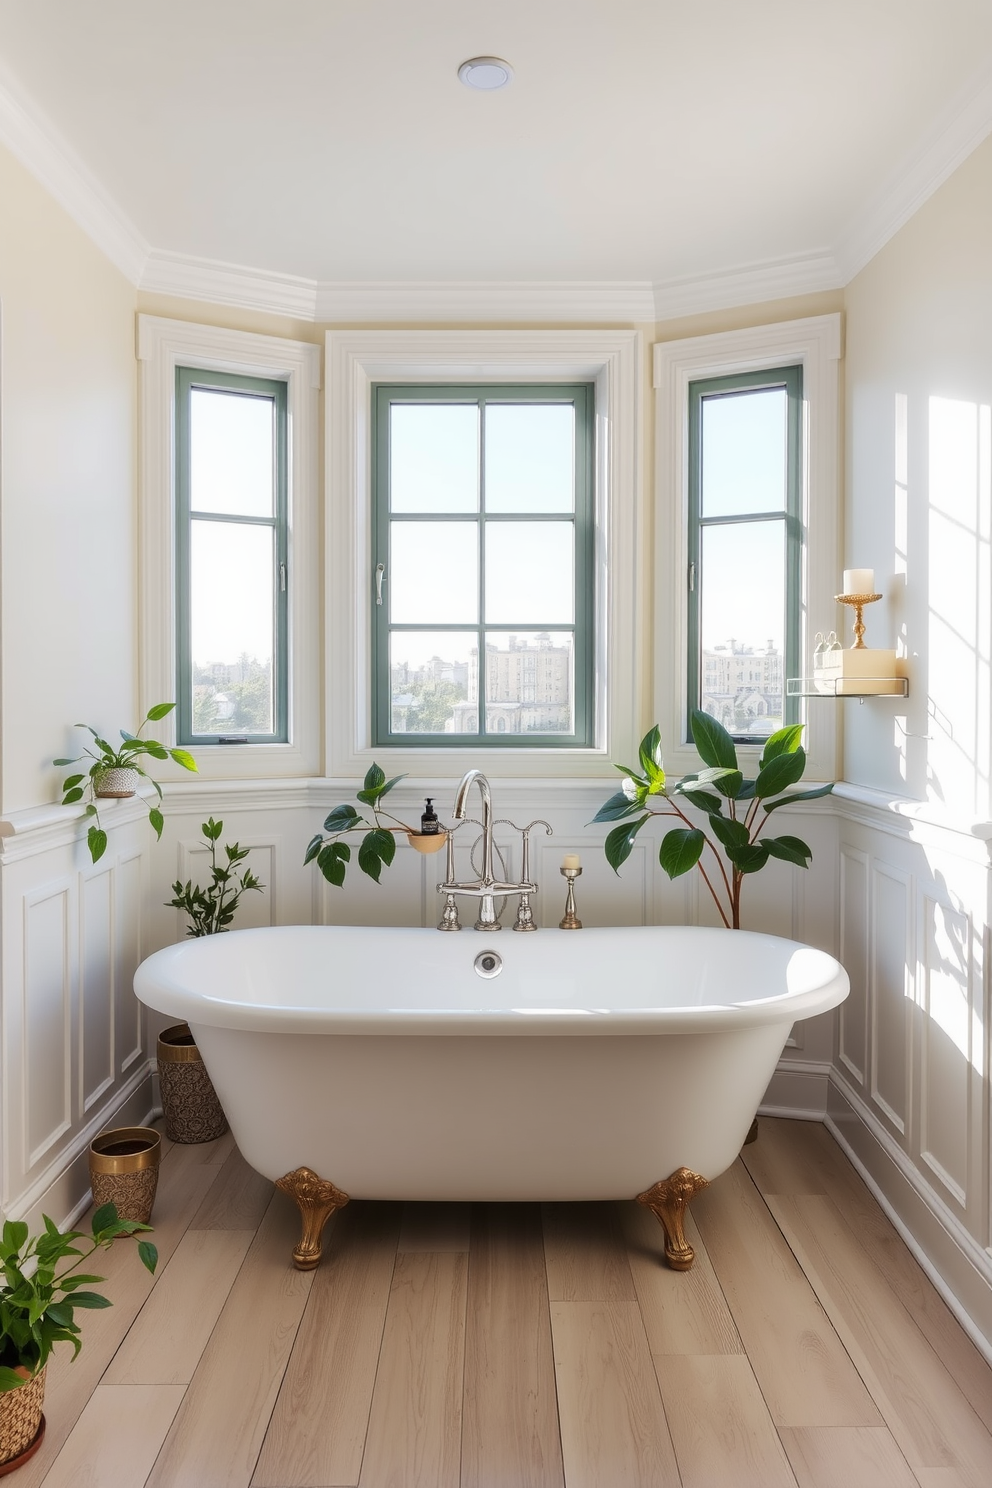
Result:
530,682
530,457
530,573
232,468
742,626
434,457
744,452
231,631
434,682
433,578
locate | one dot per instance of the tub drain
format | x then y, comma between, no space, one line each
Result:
489,963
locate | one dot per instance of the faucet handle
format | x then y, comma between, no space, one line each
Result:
526,831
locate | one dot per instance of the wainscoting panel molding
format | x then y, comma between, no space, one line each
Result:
947,1051
853,953
48,1018
97,983
892,985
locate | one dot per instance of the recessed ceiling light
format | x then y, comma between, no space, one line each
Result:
485,73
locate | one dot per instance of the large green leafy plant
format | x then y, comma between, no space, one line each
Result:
106,757
212,909
733,841
37,1301
376,849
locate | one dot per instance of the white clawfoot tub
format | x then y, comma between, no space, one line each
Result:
384,1064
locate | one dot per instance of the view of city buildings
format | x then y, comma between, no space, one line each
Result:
528,689
743,687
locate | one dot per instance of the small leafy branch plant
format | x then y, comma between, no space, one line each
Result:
212,909
378,845
36,1310
106,757
736,810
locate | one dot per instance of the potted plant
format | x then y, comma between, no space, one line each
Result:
377,848
37,1306
212,909
736,810
115,774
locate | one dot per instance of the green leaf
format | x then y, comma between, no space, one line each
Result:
680,850
157,820
620,841
184,758
746,792
160,710
71,796
369,860
104,1217
728,782
60,763
749,859
651,760
713,743
341,819
212,830
783,741
159,751
148,1255
806,795
375,778
91,1300
9,1380
784,770
313,848
390,783
332,861
15,1232
701,799
620,805
732,834
96,841
789,849
384,843
72,781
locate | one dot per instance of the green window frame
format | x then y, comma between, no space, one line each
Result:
188,380
790,517
581,396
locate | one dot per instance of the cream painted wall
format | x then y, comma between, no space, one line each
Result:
919,468
68,509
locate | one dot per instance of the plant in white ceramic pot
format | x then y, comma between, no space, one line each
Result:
735,810
115,774
37,1310
213,908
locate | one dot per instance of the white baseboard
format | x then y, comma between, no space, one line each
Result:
798,1090
957,1265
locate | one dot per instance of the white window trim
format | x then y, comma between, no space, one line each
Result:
356,359
164,345
815,344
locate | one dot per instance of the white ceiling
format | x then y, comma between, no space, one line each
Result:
660,142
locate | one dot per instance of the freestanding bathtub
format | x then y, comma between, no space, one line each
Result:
403,1064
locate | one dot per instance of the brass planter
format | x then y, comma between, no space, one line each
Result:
22,1425
192,1111
124,1170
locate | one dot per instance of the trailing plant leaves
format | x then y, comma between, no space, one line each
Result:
182,757
789,849
783,741
159,752
369,856
680,850
341,818
104,1218
375,777
160,710
91,1300
806,795
784,770
620,804
332,860
71,781
96,841
71,796
620,841
713,743
385,844
148,1255
157,820
313,848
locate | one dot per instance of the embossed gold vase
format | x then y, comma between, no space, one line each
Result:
192,1111
124,1170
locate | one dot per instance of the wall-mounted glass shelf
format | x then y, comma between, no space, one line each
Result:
855,687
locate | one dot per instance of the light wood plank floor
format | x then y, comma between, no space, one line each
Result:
515,1346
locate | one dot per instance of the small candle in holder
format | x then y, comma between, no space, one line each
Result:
571,860
859,581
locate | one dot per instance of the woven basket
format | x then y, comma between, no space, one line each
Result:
189,1101
115,784
20,1415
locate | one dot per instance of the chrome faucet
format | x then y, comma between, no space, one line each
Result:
486,888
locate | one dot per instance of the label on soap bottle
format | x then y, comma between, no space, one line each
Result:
429,824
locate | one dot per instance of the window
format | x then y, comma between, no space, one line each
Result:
483,550
231,558
745,536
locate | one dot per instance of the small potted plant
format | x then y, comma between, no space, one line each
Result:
377,847
115,774
192,1110
37,1306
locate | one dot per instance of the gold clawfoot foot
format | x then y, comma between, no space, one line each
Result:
668,1201
316,1200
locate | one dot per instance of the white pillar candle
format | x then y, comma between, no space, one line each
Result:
859,581
571,860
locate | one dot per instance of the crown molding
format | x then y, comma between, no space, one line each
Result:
37,144
625,303
752,284
958,130
219,283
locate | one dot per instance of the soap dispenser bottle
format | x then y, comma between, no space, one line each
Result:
429,824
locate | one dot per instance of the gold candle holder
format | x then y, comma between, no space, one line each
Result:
571,920
858,601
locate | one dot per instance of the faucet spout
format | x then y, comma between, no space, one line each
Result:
487,887
470,778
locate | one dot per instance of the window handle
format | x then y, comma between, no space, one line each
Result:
380,569
692,577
